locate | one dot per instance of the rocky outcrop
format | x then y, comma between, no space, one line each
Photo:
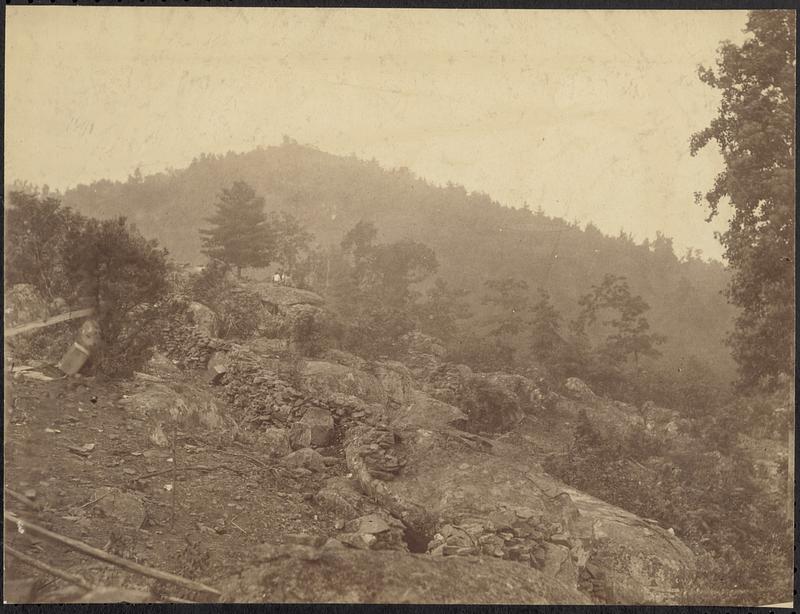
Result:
422,354
423,411
337,574
376,531
162,405
318,423
203,318
396,381
488,403
578,389
342,496
280,298
188,345
466,496
321,378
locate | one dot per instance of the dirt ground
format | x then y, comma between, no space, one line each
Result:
201,525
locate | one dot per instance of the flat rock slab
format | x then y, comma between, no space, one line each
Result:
301,574
516,511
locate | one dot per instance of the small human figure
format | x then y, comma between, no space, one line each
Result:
276,279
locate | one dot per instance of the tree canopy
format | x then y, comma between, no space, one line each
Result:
755,131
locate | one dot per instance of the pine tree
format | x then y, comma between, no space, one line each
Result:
240,235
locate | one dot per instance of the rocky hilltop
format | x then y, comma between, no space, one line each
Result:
427,468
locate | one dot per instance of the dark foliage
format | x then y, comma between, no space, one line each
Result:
755,131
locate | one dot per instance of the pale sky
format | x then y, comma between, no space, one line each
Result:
586,113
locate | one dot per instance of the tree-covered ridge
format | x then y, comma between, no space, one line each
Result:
475,238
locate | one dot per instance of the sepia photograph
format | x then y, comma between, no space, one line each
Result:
399,306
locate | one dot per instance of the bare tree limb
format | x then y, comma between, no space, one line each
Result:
25,526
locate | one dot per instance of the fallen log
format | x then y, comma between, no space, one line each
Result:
24,526
62,317
23,499
53,571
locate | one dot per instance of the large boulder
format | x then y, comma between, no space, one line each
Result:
304,458
274,441
342,497
487,400
280,298
321,379
344,358
579,389
376,531
331,574
490,406
396,380
318,423
464,495
426,412
611,420
530,394
163,405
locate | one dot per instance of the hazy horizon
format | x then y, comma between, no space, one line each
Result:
587,114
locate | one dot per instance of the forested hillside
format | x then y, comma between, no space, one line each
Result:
475,238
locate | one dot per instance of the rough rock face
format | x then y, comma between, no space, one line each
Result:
280,298
203,318
342,496
188,345
531,395
345,359
274,441
424,411
323,378
161,404
376,531
578,389
332,574
465,497
423,353
396,380
489,404
612,420
304,458
319,424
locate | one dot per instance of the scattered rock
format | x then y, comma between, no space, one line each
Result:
217,367
304,458
362,541
319,423
275,441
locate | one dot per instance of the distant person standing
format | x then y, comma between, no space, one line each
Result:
276,279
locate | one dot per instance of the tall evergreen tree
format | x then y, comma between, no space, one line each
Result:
756,133
240,235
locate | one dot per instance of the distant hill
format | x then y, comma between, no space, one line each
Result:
475,238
